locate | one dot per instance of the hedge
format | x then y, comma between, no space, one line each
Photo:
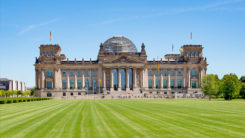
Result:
22,99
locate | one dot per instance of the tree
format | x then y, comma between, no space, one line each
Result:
2,93
32,91
230,86
242,79
242,91
19,93
210,85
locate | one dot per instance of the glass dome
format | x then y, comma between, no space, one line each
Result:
119,44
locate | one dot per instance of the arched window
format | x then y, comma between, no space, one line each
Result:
189,53
197,53
45,53
164,83
193,73
63,74
49,74
171,73
165,73
94,74
149,73
71,74
193,53
78,74
86,74
53,53
157,73
49,53
179,73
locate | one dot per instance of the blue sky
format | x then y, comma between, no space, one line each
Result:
80,26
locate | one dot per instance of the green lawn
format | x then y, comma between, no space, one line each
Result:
124,118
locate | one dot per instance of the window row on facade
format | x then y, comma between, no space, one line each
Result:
172,73
172,84
49,53
71,74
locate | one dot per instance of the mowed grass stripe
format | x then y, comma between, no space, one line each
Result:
121,124
34,121
200,122
25,118
51,126
161,127
124,118
19,111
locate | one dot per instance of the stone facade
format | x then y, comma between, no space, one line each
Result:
120,72
7,84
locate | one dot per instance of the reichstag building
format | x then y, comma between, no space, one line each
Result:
120,71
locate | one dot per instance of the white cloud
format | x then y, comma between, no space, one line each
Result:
31,27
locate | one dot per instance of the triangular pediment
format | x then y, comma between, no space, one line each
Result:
124,59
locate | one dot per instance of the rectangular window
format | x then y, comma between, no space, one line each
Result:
172,83
72,84
179,83
79,84
63,84
71,74
79,74
150,83
49,85
87,84
79,93
94,74
171,73
193,73
164,83
194,84
165,73
157,84
64,74
53,53
179,73
49,53
94,84
86,74
64,94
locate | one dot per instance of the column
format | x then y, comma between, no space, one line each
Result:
154,80
143,78
146,78
83,81
184,78
169,86
135,78
43,79
104,79
112,83
189,78
55,79
127,79
119,78
90,79
68,80
75,81
36,75
176,79
161,80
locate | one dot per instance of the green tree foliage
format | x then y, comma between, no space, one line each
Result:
210,85
242,91
230,86
32,91
242,79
